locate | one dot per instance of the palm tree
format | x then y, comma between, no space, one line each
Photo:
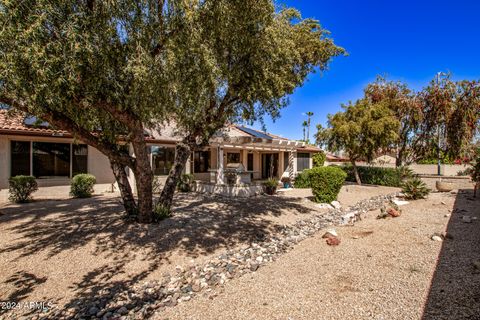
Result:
305,125
309,115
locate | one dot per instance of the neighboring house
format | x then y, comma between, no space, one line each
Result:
53,157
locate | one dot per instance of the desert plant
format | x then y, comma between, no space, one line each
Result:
21,188
185,183
82,185
414,189
270,186
319,159
161,212
326,183
405,172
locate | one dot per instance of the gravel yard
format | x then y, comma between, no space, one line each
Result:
383,269
66,251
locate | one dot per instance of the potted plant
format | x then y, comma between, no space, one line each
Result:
270,186
287,183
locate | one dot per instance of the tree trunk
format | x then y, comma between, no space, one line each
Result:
143,179
398,159
182,152
125,189
355,172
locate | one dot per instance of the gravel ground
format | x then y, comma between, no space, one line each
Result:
65,251
383,269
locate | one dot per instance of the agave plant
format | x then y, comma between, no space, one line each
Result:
414,189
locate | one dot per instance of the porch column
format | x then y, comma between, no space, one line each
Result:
220,175
291,163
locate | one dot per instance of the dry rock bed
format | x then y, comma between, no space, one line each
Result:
229,258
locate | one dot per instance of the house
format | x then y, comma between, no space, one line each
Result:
29,147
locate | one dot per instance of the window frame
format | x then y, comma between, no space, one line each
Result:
301,164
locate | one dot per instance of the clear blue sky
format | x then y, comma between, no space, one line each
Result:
405,40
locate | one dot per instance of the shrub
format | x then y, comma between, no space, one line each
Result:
303,179
414,189
161,212
186,182
82,185
21,188
319,159
391,177
270,186
326,183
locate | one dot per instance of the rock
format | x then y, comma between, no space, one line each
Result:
476,265
336,204
466,219
254,267
259,259
333,241
400,202
196,288
436,238
443,202
122,311
93,311
330,233
448,215
324,206
393,212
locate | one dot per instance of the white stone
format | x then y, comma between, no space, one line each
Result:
437,238
400,202
336,204
324,206
467,219
330,232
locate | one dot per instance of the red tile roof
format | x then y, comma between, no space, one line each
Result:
14,123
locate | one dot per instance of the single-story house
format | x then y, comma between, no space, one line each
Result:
28,147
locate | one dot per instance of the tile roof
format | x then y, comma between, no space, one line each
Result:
14,122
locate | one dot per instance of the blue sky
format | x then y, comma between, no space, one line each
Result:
404,40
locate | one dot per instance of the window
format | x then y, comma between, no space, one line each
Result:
20,158
51,159
201,161
233,157
162,160
303,161
250,162
79,159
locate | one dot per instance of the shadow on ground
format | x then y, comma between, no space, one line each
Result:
455,288
201,225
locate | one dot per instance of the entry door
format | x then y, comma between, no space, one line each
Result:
269,165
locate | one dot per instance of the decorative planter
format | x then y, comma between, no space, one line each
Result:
444,186
286,185
270,190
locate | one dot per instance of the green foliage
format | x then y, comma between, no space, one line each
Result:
21,188
475,170
270,186
326,183
391,177
303,179
82,185
414,189
319,159
161,212
185,183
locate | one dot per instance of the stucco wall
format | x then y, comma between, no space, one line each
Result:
426,169
99,166
4,162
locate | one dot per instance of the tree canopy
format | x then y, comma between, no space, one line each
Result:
107,71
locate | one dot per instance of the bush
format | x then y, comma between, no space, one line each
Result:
326,183
160,212
414,189
303,179
319,159
82,185
270,186
186,182
391,177
21,188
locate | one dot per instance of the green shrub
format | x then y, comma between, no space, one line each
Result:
303,179
185,183
326,183
391,177
270,186
160,212
319,159
82,185
21,188
414,189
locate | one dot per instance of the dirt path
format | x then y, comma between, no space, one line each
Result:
383,269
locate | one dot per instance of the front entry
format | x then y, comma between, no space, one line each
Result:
269,165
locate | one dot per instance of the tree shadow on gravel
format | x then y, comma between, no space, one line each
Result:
455,287
201,225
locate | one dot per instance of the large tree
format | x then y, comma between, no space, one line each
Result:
108,71
361,130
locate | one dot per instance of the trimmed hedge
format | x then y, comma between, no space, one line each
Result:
303,179
21,188
326,183
319,159
390,177
82,185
